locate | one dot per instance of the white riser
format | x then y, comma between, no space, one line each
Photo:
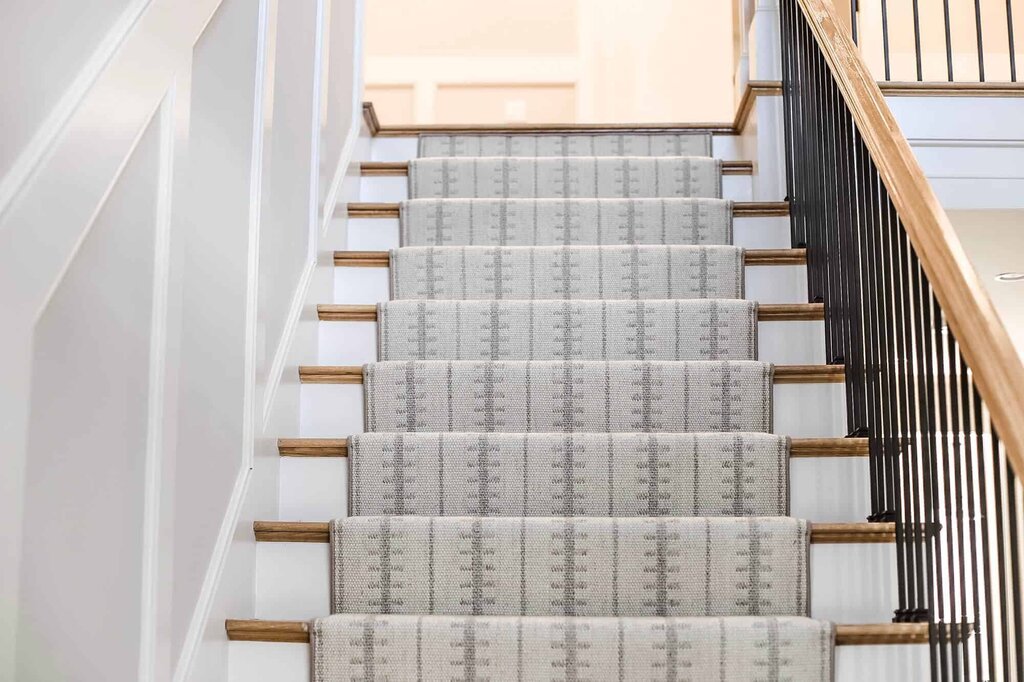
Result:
404,148
821,489
800,410
849,583
290,663
763,283
376,234
388,189
784,343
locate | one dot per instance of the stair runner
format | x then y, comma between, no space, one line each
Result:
568,471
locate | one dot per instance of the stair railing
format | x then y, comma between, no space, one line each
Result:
932,377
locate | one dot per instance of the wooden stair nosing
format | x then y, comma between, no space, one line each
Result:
821,533
740,209
799,447
297,631
401,168
766,312
784,374
751,257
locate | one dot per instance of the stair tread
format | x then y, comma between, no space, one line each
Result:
775,312
740,209
259,630
799,447
821,533
751,257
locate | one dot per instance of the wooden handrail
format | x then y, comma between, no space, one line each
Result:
986,345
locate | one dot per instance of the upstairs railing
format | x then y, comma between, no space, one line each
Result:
937,40
931,375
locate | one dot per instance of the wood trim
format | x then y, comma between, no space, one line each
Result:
362,259
751,92
740,209
915,89
278,631
388,168
798,447
821,533
775,257
784,374
715,128
998,368
790,312
810,374
766,312
751,257
371,210
881,633
330,374
851,533
760,209
312,447
401,168
297,631
828,447
370,118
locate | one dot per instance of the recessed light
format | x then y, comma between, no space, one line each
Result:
1010,277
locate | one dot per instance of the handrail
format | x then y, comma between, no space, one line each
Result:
997,367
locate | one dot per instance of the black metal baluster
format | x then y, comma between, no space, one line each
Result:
949,44
981,49
1009,35
885,39
917,40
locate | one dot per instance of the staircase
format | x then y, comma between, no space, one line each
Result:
571,419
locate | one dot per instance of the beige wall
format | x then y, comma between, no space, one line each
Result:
463,61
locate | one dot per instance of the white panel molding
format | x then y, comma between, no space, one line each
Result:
200,619
29,160
156,393
298,302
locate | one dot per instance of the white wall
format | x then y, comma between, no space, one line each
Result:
166,187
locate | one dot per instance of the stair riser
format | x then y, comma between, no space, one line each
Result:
294,580
823,489
379,234
803,410
291,663
724,147
385,189
784,343
764,283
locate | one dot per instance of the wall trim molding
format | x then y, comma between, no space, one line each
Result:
46,135
236,502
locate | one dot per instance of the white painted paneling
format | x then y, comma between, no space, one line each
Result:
82,574
53,38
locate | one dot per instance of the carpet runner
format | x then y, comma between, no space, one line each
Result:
631,144
566,272
578,566
711,329
562,222
593,177
577,474
568,471
370,647
552,396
